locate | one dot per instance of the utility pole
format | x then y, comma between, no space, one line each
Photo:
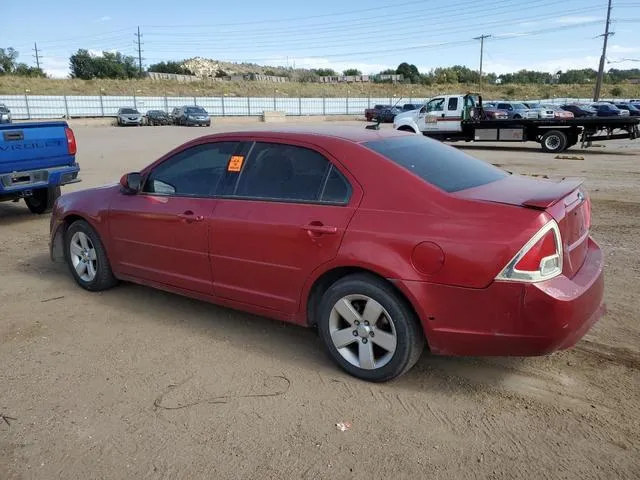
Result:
481,38
139,42
596,91
37,55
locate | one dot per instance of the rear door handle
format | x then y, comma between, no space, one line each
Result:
189,217
317,229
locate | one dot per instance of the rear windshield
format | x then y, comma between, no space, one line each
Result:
438,164
128,111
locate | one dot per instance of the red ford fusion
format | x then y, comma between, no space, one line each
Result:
389,243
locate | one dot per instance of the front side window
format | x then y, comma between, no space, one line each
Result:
194,172
435,105
276,171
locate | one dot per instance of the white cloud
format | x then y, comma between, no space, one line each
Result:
106,18
622,49
575,19
552,66
56,67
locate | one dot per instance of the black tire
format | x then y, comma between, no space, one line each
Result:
554,141
410,341
42,200
104,278
517,117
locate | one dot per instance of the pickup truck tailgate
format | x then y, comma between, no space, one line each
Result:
34,146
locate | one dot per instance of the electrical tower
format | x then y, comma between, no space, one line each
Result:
139,43
607,33
36,55
481,38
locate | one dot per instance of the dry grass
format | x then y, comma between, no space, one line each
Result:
43,86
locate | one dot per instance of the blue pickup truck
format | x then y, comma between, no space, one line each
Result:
36,159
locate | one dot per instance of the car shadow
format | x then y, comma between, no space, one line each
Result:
14,213
296,345
536,149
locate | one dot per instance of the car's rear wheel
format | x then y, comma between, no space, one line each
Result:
369,330
87,258
42,200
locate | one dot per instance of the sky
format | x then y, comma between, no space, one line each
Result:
370,35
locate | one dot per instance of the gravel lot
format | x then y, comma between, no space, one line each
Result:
138,384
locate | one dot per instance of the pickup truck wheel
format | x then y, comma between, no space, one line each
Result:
554,141
87,258
368,329
405,128
42,200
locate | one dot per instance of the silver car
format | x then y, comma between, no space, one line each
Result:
516,110
543,111
129,116
5,114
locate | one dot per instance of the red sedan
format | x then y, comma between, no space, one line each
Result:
387,242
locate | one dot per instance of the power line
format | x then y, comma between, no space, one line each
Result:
481,38
596,91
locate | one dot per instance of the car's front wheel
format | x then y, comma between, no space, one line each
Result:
87,258
369,329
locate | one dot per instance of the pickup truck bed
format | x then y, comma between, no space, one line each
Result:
36,159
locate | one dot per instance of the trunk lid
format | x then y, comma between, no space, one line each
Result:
564,200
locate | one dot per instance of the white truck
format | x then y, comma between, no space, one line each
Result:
461,117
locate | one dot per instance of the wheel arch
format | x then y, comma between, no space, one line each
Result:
323,281
57,240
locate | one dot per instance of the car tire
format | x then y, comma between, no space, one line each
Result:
42,200
554,141
89,266
393,338
517,117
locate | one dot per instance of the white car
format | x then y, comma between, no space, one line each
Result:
541,110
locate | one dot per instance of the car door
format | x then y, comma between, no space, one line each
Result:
508,108
452,119
434,110
283,214
162,233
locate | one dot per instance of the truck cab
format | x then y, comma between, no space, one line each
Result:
440,115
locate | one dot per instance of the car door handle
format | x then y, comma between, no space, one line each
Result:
190,217
317,229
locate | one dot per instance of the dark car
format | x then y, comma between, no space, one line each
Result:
371,114
579,111
157,117
407,107
174,115
5,114
389,243
192,115
606,110
388,114
629,107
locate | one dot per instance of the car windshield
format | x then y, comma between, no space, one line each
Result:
519,106
129,111
196,110
436,163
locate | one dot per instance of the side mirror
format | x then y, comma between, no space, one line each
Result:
131,183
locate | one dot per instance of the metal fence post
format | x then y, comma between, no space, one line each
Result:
324,106
194,101
300,106
248,106
26,102
101,105
166,104
347,105
222,101
134,100
66,107
369,102
274,102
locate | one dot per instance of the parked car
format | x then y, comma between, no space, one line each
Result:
387,115
192,115
157,117
407,107
629,107
607,110
515,110
5,114
174,115
558,113
36,159
579,110
382,239
371,114
493,113
542,111
129,116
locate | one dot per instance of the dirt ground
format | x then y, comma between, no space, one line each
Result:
134,383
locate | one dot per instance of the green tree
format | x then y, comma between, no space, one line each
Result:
110,65
8,59
169,67
325,72
24,70
351,72
409,73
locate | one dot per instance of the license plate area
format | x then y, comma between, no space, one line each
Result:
24,178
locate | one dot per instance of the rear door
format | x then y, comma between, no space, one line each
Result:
281,214
452,119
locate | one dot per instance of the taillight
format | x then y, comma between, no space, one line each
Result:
71,141
540,259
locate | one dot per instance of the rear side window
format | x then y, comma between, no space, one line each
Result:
436,163
283,172
453,104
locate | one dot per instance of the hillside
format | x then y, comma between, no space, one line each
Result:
11,85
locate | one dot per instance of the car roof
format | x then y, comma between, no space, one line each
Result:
356,134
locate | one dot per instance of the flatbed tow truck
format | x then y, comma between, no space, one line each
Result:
462,118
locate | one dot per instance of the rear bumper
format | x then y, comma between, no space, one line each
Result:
17,182
509,318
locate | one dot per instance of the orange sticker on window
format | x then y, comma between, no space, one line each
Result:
235,163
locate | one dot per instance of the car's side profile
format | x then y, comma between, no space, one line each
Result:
384,240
